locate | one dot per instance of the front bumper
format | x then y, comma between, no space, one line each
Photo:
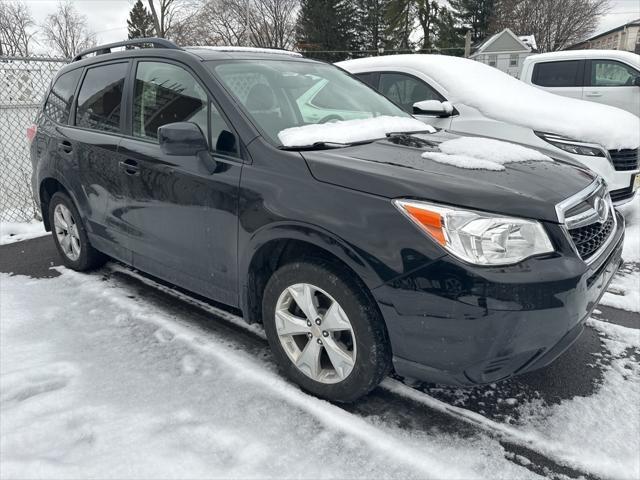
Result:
458,324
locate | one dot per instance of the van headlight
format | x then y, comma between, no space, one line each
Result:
477,237
572,146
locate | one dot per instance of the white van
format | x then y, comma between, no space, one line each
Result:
611,77
471,98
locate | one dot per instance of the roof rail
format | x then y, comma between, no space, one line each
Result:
104,49
276,51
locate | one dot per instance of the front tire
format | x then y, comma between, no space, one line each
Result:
70,235
325,332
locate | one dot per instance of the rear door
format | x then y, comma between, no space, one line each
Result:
92,141
612,83
183,215
562,77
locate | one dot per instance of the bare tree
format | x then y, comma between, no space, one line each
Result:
223,22
67,31
164,13
272,23
556,24
16,29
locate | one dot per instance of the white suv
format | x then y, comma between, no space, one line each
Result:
470,98
611,77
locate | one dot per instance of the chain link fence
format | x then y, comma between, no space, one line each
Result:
23,84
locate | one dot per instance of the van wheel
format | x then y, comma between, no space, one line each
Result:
325,333
70,235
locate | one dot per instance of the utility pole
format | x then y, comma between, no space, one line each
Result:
467,44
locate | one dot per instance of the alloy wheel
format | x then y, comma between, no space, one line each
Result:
316,333
66,230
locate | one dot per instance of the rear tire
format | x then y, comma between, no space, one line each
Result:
342,332
70,235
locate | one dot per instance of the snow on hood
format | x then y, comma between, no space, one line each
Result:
502,97
482,153
349,131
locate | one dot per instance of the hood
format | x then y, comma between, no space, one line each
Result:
524,189
502,97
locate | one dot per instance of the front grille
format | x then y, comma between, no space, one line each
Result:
624,160
622,194
590,238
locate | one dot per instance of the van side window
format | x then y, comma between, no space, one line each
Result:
166,93
370,78
557,74
58,104
100,98
609,73
405,90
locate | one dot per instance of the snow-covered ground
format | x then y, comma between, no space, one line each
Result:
97,381
11,232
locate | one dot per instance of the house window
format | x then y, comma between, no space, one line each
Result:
493,60
513,60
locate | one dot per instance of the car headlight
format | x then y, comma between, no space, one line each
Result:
572,146
477,237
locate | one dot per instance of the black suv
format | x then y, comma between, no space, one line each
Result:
208,168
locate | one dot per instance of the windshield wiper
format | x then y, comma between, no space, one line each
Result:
410,139
324,145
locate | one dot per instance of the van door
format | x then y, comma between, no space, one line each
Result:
563,77
613,83
184,216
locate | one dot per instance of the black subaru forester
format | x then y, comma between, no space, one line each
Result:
359,257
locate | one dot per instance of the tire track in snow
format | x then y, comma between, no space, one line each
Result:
530,444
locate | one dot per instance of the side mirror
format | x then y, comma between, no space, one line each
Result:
636,81
435,108
182,139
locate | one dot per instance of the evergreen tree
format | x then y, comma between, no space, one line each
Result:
449,36
475,15
326,29
140,22
373,24
401,15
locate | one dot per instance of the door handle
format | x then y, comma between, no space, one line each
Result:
130,167
65,146
593,94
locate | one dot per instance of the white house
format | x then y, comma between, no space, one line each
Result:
505,50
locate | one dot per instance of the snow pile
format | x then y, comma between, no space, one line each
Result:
502,97
482,153
631,212
349,131
11,232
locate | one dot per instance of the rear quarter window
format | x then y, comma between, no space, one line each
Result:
557,74
58,104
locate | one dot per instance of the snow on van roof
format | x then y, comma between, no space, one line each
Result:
246,50
502,97
629,57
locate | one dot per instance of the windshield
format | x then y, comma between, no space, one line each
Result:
280,94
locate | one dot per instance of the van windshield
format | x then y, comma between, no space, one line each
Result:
280,94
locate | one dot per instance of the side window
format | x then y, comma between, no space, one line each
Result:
609,73
166,93
406,90
222,138
100,98
557,74
58,104
370,78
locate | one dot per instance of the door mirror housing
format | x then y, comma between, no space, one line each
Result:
182,139
434,108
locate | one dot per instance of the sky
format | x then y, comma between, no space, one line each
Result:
108,18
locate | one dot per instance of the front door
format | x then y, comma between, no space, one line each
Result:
183,210
612,83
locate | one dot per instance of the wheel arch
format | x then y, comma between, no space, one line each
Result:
47,188
286,243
